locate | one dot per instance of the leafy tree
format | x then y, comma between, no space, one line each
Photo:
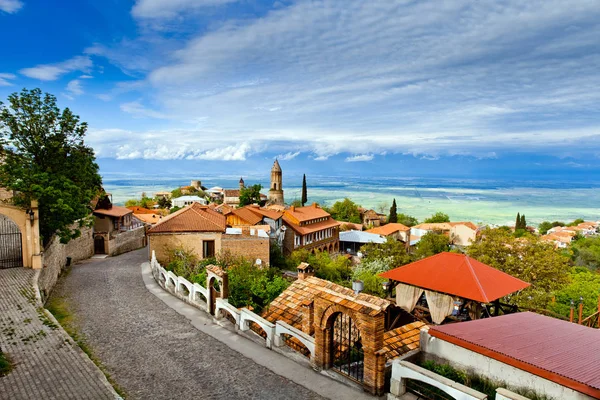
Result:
576,222
393,217
431,244
174,209
45,159
437,218
523,222
368,271
392,252
544,227
583,283
304,196
332,268
132,203
586,252
526,258
164,202
407,220
175,193
250,195
346,210
382,207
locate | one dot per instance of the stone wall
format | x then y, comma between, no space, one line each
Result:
127,241
249,247
55,255
163,243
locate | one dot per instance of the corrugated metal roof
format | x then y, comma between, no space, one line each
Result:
563,352
457,275
360,237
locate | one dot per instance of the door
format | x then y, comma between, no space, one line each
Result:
11,245
99,245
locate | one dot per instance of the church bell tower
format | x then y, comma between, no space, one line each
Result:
276,189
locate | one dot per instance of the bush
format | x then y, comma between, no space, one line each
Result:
336,269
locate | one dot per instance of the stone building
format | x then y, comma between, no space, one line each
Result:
116,230
276,189
310,228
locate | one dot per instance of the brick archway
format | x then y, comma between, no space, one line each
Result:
371,326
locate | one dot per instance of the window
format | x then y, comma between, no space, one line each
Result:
208,248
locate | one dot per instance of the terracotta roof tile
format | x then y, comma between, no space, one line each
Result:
307,213
142,210
193,218
114,211
389,229
265,212
247,215
401,340
310,228
231,192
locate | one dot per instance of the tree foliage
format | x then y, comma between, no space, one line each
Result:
345,210
430,244
393,217
407,220
526,258
332,268
583,283
437,218
164,202
304,194
391,252
586,252
250,195
545,226
368,271
45,159
576,222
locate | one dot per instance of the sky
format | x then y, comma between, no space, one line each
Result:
456,88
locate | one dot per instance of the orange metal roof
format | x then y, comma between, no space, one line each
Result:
457,275
265,212
114,211
389,229
193,218
307,213
560,351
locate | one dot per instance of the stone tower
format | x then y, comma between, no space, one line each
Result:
276,190
242,184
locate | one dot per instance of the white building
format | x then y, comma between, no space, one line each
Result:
186,201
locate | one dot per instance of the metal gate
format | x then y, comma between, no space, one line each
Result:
11,245
347,352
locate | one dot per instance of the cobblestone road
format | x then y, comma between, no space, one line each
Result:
151,351
47,364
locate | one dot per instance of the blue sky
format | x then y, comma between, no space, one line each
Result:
457,87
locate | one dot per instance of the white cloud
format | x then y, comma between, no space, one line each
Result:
136,109
51,72
10,6
5,78
171,8
86,77
288,156
74,89
229,153
360,157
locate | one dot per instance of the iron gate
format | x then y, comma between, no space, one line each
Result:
347,351
11,246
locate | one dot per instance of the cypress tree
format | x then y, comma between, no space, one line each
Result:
393,213
304,196
523,222
518,222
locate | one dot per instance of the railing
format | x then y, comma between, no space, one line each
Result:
593,321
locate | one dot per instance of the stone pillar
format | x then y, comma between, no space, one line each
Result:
308,318
36,254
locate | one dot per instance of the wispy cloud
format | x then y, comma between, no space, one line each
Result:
138,110
6,78
51,72
171,8
73,89
10,6
288,156
360,157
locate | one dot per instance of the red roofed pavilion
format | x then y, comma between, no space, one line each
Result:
454,277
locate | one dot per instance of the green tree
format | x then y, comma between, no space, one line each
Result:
250,195
430,244
391,252
132,203
368,271
336,269
518,222
586,252
407,220
174,209
304,196
526,258
544,227
345,210
164,202
523,222
576,222
45,159
437,218
583,283
175,193
393,217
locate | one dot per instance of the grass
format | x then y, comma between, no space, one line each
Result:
59,309
5,364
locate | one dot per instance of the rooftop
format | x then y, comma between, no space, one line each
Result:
193,218
401,340
361,237
231,192
389,229
317,226
247,215
457,275
303,214
444,225
553,349
142,210
114,211
265,212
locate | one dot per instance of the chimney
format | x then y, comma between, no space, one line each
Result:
293,208
305,270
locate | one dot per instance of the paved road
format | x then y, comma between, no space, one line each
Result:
153,352
47,363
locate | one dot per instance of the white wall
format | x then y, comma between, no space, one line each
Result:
462,358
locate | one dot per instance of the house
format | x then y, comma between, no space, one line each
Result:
460,233
394,230
310,228
349,226
186,201
561,239
204,231
371,218
555,359
112,227
352,241
451,287
145,215
254,215
583,229
164,195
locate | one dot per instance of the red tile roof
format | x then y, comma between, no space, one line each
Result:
247,215
114,211
389,229
307,213
193,218
457,275
231,192
560,351
401,340
265,212
310,228
142,210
